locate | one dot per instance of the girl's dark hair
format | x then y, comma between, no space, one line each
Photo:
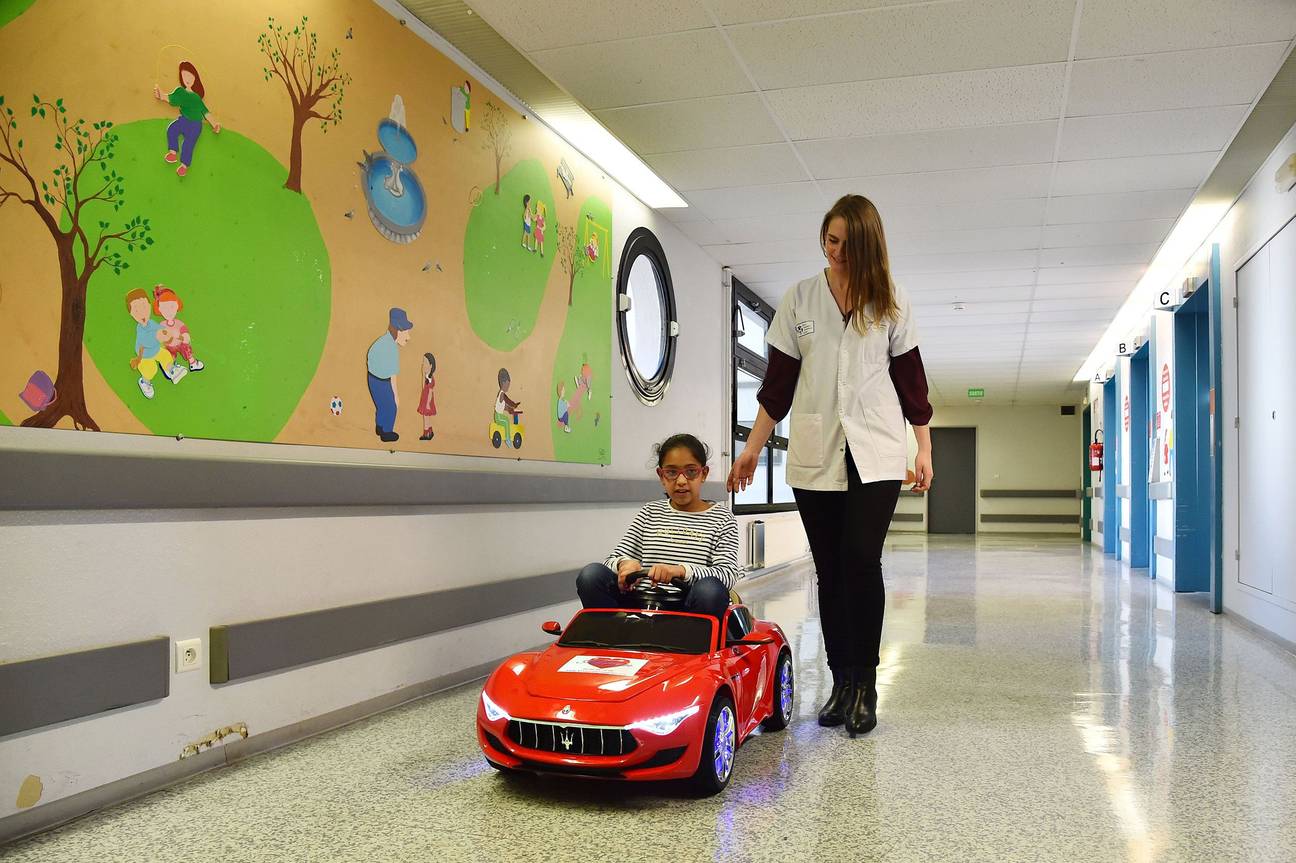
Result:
699,450
186,66
431,362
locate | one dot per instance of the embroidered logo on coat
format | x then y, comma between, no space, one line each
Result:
805,328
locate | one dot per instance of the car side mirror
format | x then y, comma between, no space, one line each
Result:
552,627
755,639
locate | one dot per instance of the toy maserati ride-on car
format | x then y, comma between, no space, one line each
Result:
643,694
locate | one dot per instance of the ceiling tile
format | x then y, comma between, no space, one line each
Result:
576,22
744,11
993,307
731,166
741,201
764,228
789,273
940,150
1150,133
1111,28
638,71
1083,256
1187,79
949,294
777,251
1117,290
1109,304
906,265
1086,316
694,124
969,280
938,187
1012,95
1129,206
1090,275
703,233
1133,174
1106,233
953,217
944,242
900,41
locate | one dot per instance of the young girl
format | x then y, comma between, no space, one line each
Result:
188,97
563,408
427,405
540,226
526,223
682,537
168,305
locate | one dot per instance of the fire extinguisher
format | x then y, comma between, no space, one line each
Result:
1096,452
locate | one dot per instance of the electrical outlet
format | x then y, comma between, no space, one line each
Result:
188,655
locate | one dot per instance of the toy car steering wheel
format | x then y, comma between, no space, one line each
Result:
656,595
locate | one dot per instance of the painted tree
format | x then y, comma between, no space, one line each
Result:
571,257
71,206
314,83
499,137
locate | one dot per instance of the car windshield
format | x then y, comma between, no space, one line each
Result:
638,630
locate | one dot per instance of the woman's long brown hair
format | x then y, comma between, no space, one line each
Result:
871,291
186,66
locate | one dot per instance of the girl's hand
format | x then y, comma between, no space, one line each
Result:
216,126
744,468
625,569
923,472
157,92
664,573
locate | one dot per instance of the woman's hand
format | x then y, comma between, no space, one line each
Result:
664,573
923,472
157,93
744,468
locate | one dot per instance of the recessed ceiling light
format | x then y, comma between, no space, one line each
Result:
958,307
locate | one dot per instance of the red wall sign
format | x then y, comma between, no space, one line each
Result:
1165,387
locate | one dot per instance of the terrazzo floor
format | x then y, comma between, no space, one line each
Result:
1038,703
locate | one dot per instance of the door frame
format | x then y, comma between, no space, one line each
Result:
1139,387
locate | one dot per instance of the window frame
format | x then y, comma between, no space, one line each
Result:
753,364
644,243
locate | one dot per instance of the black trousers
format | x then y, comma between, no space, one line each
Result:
846,530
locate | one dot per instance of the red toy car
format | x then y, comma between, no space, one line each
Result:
639,694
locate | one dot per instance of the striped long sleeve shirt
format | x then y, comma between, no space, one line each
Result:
704,543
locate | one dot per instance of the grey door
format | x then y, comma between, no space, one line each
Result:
951,503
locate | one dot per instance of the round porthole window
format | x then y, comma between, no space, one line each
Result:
646,325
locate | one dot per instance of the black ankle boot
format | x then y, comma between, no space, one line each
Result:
833,712
861,710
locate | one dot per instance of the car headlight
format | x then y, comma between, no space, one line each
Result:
662,725
494,713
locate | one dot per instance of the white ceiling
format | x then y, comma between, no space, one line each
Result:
1028,156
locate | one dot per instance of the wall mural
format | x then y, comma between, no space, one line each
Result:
307,228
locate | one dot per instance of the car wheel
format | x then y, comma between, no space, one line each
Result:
719,744
784,694
496,440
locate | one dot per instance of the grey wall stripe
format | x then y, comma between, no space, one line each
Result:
1034,518
1164,547
907,516
1125,535
39,692
1040,492
45,480
1123,491
1161,491
242,650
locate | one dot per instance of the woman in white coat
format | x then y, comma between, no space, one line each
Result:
844,362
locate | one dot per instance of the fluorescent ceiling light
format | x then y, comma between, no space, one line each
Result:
599,145
1190,232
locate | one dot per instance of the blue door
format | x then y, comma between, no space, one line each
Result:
1140,437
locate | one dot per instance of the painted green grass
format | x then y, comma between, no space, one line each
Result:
245,256
587,336
4,420
503,282
11,9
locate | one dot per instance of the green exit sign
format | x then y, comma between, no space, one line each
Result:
976,393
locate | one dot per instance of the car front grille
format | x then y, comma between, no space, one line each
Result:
571,739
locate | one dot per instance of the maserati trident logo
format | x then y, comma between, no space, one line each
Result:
566,739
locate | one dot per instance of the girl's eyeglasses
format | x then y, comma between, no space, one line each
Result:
671,474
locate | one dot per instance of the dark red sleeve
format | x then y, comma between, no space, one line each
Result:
775,393
910,381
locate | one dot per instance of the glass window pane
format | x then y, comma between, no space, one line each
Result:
745,397
782,491
646,320
753,337
756,492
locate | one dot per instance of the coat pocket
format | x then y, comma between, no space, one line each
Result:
806,444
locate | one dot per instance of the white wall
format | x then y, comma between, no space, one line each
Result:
1029,447
82,579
